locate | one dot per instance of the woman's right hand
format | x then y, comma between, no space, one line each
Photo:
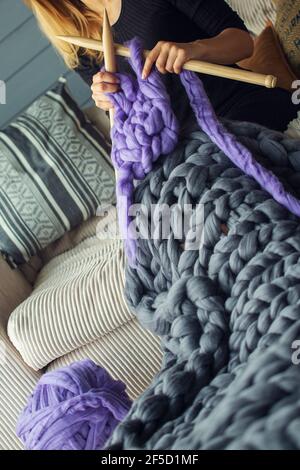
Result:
104,82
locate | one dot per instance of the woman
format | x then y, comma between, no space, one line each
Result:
176,31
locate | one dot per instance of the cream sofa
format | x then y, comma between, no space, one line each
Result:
16,378
67,304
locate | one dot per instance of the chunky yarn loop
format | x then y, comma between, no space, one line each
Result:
238,153
74,408
146,128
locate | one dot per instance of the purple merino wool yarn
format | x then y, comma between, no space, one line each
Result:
145,128
74,408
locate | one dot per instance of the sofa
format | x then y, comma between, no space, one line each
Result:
127,351
67,304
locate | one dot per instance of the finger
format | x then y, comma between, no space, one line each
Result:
150,61
105,105
105,77
104,87
171,59
161,61
101,97
180,61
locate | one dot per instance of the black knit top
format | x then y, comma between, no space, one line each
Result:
176,21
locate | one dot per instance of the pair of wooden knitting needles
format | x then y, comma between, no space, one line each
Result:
110,50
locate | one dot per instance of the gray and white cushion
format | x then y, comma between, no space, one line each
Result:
55,170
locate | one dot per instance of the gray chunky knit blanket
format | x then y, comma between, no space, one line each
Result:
228,314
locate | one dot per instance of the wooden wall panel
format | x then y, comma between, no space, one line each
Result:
29,66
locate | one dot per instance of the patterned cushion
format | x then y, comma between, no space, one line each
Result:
288,29
55,170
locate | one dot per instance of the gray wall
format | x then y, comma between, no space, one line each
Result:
28,63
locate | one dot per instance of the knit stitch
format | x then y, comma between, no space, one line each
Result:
146,128
228,313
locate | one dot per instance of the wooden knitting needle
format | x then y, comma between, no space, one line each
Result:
109,57
109,54
223,71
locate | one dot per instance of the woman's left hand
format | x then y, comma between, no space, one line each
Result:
169,57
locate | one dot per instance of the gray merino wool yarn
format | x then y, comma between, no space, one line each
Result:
228,314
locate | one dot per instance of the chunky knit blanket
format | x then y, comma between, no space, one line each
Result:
228,314
146,128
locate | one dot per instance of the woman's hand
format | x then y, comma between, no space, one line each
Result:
104,82
229,47
169,57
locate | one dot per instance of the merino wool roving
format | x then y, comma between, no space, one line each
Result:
228,311
146,128
74,408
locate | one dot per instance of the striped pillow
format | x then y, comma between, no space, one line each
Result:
77,299
55,170
254,13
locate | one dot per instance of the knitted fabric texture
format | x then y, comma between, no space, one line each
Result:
146,128
228,313
74,408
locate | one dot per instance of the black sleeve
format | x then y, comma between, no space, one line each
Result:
212,16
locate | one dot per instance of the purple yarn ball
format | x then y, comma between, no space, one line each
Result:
74,408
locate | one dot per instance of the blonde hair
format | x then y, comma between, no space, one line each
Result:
67,17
